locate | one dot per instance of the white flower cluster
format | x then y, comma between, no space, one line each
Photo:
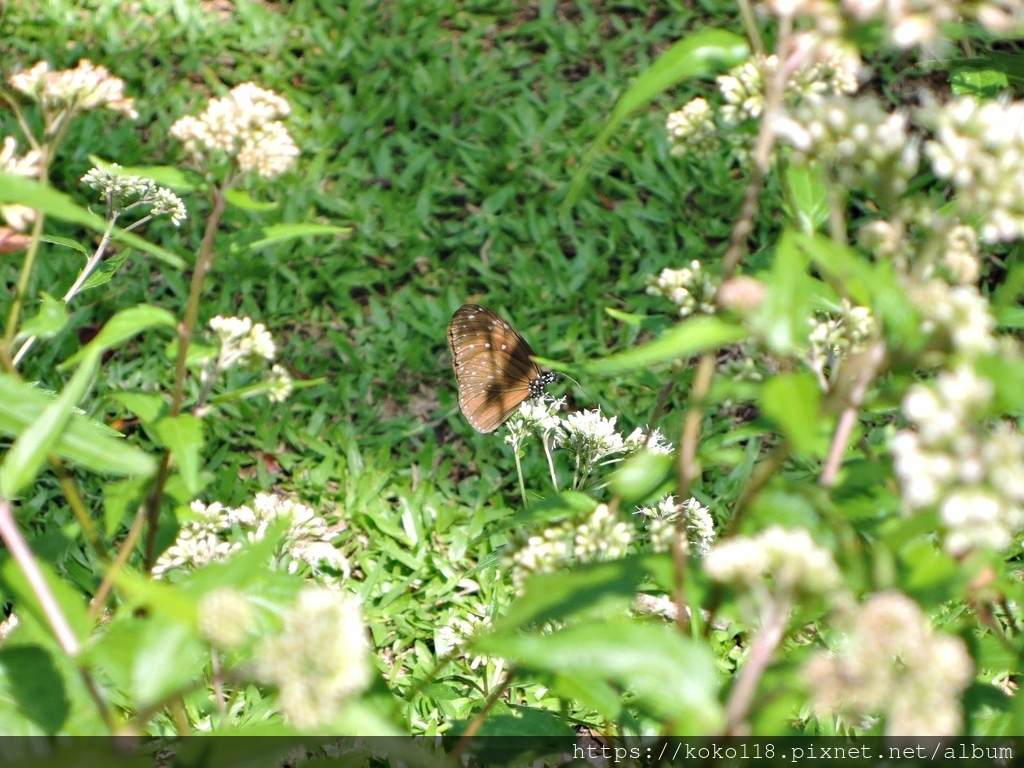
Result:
226,617
242,342
783,562
602,536
865,146
123,192
958,313
82,88
828,69
244,126
19,217
979,148
833,337
889,662
976,479
961,256
217,531
692,129
691,289
906,23
453,636
661,522
320,660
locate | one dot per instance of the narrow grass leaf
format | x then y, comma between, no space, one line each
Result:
277,233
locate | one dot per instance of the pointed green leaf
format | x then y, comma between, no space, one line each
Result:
122,326
686,339
183,435
83,441
48,321
25,459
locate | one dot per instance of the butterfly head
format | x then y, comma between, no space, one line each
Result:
539,384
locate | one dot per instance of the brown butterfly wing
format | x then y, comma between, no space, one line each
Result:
493,366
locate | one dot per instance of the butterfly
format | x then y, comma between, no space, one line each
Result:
493,365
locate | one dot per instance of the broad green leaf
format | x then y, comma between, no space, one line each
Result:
48,321
18,189
698,55
239,198
784,315
106,270
549,597
69,599
672,676
807,195
686,339
33,684
842,264
25,459
792,400
640,475
183,435
983,83
122,326
83,441
276,233
120,500
148,408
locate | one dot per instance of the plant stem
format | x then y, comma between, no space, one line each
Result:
204,261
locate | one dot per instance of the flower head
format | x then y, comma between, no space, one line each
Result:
888,661
320,660
245,127
85,87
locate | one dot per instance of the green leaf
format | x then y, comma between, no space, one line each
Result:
239,198
640,475
783,317
684,340
66,242
68,598
17,189
121,499
276,233
183,435
698,55
31,680
148,408
554,596
48,321
121,327
984,83
792,400
25,459
83,441
672,676
807,195
106,270
842,264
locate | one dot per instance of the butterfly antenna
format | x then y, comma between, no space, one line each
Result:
570,378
